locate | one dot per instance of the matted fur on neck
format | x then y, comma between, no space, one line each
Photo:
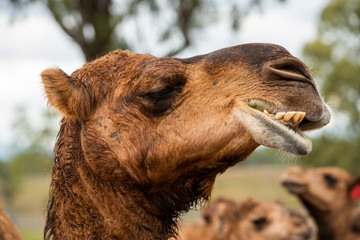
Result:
83,205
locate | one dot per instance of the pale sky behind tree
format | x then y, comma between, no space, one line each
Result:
35,42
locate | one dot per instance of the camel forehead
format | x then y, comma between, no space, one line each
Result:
120,64
308,173
336,171
267,209
116,65
254,54
339,173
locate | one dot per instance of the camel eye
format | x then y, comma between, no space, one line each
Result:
159,101
163,93
330,179
207,219
260,223
170,86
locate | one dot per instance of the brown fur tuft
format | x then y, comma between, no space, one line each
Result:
68,96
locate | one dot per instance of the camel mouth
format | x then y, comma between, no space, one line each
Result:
281,130
294,187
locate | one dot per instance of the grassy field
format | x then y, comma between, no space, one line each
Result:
238,183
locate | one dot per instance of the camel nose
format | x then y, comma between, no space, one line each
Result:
306,235
296,170
293,171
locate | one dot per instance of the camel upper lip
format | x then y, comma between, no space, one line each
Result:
308,123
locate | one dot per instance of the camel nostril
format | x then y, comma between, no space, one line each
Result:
306,235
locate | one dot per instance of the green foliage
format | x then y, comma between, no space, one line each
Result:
31,234
24,163
5,185
35,135
334,151
34,155
10,177
334,57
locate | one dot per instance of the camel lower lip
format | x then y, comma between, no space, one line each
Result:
293,187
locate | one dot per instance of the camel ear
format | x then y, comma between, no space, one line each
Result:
70,97
354,188
245,207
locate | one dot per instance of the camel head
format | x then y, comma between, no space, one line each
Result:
167,114
272,220
252,219
219,218
325,188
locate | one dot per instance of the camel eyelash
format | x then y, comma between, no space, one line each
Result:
260,223
163,93
330,179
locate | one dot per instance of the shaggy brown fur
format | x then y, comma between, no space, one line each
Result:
8,230
250,220
325,192
143,138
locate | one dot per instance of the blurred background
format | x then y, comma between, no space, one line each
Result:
37,34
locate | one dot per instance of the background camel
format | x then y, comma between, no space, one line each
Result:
217,222
8,230
356,218
325,192
143,138
356,221
249,220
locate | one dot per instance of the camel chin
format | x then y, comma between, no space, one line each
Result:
281,130
294,187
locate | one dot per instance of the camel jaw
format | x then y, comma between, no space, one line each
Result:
271,132
294,187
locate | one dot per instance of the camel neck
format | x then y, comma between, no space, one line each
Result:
332,225
83,206
94,195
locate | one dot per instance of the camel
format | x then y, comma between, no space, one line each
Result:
142,138
250,220
325,192
217,222
8,230
356,220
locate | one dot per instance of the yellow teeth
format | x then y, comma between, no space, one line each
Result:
298,117
279,115
294,117
288,116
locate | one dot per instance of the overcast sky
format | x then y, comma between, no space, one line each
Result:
34,42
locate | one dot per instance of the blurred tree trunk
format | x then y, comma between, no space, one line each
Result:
93,25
